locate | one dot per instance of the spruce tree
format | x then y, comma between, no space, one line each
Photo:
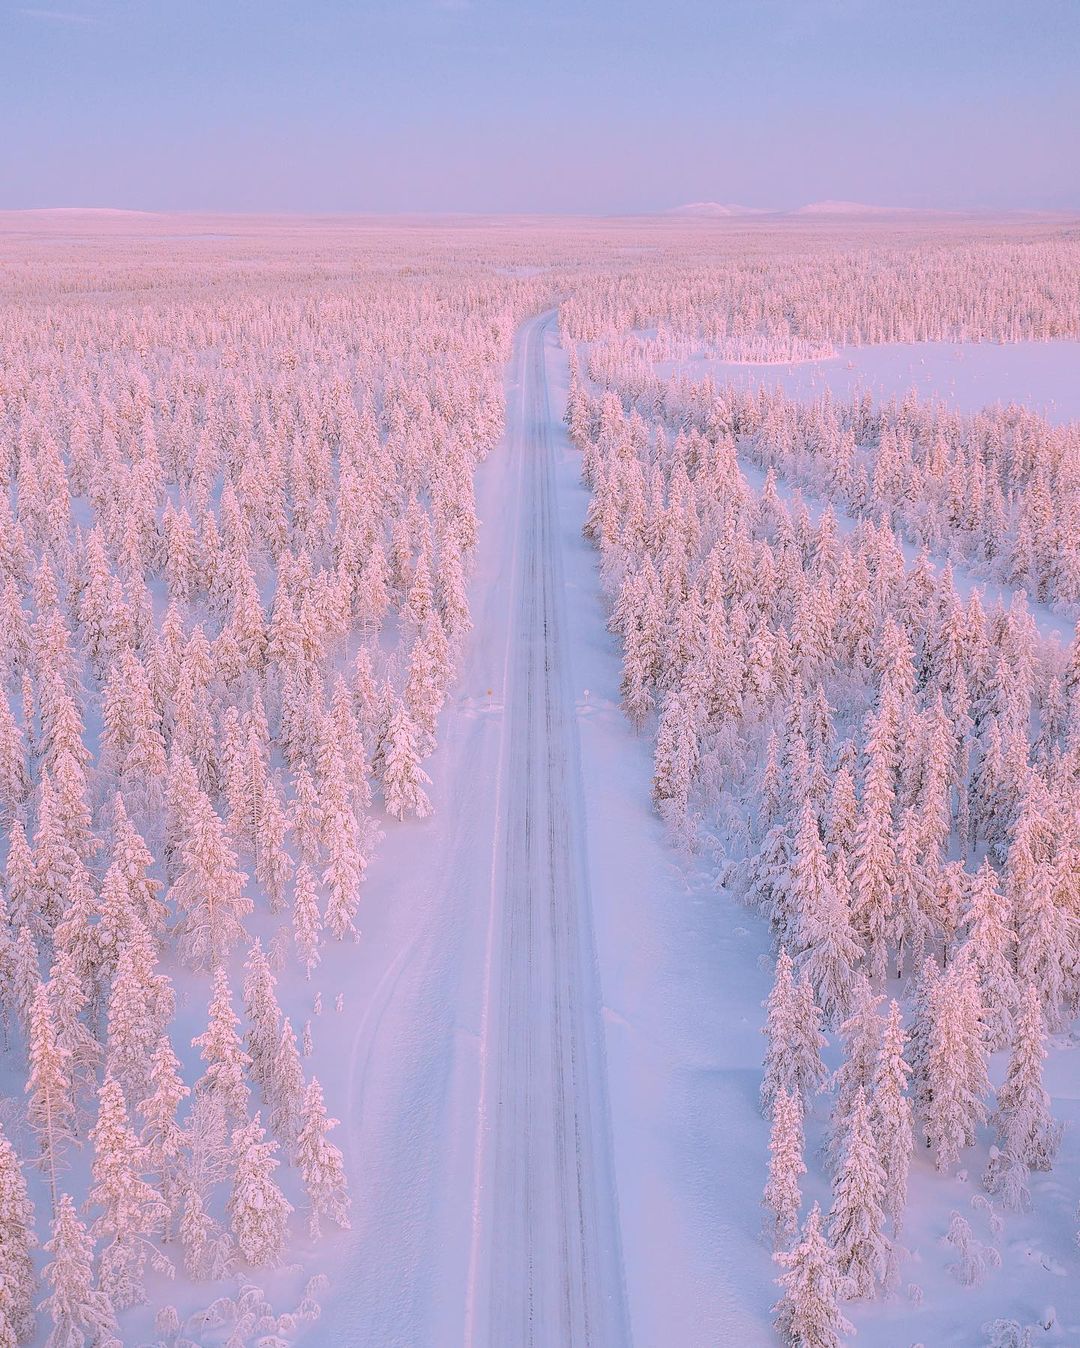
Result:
808,1314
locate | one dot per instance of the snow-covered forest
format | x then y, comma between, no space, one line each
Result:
243,622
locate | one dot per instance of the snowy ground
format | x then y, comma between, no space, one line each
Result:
1042,376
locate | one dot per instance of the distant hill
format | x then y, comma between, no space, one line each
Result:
715,209
855,208
77,210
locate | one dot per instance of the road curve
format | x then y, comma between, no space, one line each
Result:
548,1269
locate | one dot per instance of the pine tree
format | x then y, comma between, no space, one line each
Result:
68,999
891,1117
307,920
14,777
920,1034
20,881
306,817
808,1314
990,939
162,1136
875,857
209,891
1047,947
956,1064
80,1314
55,860
273,865
1028,1137
285,1086
133,860
258,1210
18,1280
320,1164
116,921
226,1062
50,1111
678,757
263,1015
402,777
141,1005
793,1027
857,1219
207,1249
860,1035
783,1197
829,953
25,973
131,1208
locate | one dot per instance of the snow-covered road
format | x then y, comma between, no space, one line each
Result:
546,1266
485,1210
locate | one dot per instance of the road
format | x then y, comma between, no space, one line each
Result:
479,1135
546,1266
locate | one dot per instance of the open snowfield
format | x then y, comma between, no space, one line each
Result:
967,376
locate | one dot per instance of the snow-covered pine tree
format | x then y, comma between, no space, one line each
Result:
783,1198
891,1117
307,920
285,1086
133,859
209,890
162,1136
225,1078
1027,1135
403,779
829,953
1048,945
793,1028
18,1279
874,867
79,1312
808,1313
990,942
132,1209
306,816
956,1063
263,1016
320,1164
258,1210
50,1111
860,1036
141,1004
68,999
857,1219
273,864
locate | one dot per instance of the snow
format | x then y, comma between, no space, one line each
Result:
1042,376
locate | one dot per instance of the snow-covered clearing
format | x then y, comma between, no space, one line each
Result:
967,376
